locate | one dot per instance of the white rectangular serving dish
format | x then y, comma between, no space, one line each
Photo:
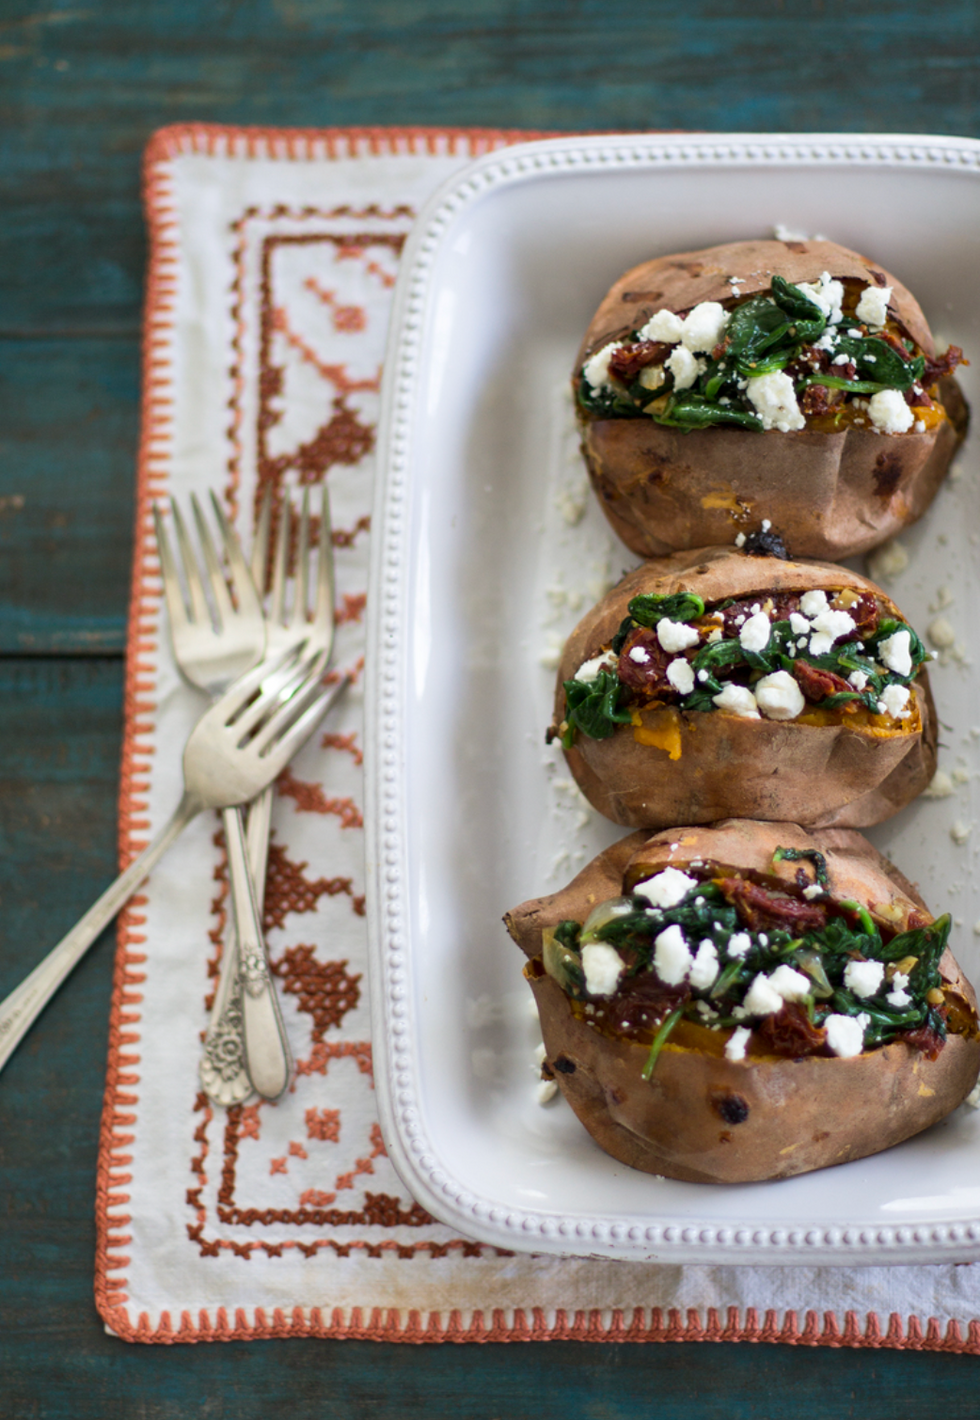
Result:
487,549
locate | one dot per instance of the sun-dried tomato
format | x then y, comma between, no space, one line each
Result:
791,1032
939,365
646,673
929,1041
865,614
760,909
783,603
627,362
816,400
643,1003
816,684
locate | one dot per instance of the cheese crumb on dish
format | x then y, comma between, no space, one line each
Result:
738,945
889,413
774,398
873,305
888,561
667,889
603,966
813,603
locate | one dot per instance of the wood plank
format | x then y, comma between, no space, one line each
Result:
68,436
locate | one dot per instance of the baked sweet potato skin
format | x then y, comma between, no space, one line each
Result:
705,1119
731,767
829,495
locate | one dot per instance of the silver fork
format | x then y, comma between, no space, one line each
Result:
213,643
222,1071
237,747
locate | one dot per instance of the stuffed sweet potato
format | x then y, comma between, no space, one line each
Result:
748,1001
716,684
789,381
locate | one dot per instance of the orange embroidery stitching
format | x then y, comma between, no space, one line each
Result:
323,1124
311,799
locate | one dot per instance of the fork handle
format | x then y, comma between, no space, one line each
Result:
26,1002
267,1057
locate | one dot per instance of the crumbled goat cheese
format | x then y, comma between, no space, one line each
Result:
959,831
651,377
834,624
603,966
762,999
898,997
717,634
973,1098
893,702
774,399
738,944
740,539
667,889
941,633
671,957
813,603
791,985
737,700
640,655
704,327
737,1044
920,426
589,670
827,294
675,636
596,368
841,360
845,1034
864,978
705,968
858,679
814,890
664,327
889,412
684,367
680,673
895,652
755,633
940,786
887,562
546,1090
705,1009
779,697
873,305
798,624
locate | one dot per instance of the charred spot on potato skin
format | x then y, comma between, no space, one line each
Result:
877,276
795,246
733,1108
821,1135
566,1066
766,543
888,471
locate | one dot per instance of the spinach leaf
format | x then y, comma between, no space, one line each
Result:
755,327
694,411
605,402
798,305
810,855
592,707
648,609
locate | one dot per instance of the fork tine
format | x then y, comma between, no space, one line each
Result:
278,601
325,592
260,547
298,618
219,589
279,686
199,609
246,596
171,577
280,744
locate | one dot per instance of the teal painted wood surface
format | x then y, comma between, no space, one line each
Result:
81,89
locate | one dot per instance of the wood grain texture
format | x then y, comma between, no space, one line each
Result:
81,89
